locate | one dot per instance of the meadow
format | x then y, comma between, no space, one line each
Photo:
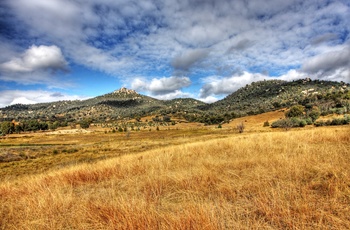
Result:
186,177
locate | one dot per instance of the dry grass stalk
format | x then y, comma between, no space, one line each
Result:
280,180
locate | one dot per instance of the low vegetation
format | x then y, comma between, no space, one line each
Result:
273,180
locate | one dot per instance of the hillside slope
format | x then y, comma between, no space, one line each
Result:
256,98
269,95
122,103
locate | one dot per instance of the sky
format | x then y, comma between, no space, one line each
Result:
53,50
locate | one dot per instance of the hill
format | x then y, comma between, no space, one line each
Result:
263,96
120,104
255,98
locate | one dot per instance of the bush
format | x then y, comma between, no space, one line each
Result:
302,123
84,124
241,127
314,115
289,123
309,121
336,121
319,123
295,111
266,124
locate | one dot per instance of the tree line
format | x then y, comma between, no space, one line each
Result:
10,127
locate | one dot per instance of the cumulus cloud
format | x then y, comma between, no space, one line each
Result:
151,34
37,58
186,60
38,64
209,99
161,86
10,97
215,85
128,38
328,63
175,94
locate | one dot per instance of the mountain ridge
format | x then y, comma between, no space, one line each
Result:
254,98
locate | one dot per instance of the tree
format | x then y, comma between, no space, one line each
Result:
84,124
295,111
7,128
314,114
166,118
18,128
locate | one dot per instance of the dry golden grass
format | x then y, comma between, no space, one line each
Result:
255,123
298,179
44,152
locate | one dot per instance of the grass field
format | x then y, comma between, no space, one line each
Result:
186,178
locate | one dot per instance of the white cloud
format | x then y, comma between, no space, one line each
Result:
38,64
186,60
128,38
174,94
161,86
209,99
10,97
124,37
22,100
37,58
222,86
327,63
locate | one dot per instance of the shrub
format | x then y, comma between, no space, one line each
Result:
84,124
295,111
314,114
266,124
336,121
302,123
319,123
309,121
298,122
241,127
289,123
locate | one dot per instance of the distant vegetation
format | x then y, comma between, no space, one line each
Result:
123,105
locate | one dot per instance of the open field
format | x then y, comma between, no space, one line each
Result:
32,153
186,178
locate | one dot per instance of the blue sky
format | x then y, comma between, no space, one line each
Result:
205,49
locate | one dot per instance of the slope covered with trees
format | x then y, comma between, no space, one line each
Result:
263,96
258,97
